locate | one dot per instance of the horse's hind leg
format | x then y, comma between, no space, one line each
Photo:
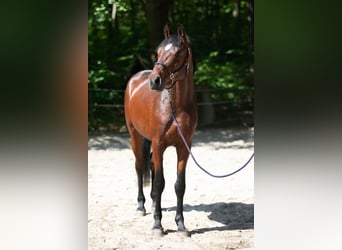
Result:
139,146
153,193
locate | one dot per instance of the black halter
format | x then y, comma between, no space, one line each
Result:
172,74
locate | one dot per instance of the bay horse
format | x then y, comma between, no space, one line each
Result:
151,97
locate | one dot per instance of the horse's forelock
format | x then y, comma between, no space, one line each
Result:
173,39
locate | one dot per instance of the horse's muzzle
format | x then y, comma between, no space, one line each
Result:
155,82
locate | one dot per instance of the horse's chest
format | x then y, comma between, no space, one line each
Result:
163,109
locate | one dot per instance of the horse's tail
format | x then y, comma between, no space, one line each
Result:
147,161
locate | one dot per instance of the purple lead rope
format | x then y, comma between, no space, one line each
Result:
193,158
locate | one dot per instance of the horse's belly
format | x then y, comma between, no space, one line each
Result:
141,124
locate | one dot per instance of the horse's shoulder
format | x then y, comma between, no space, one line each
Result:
138,82
139,77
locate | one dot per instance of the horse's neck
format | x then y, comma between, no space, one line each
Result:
183,92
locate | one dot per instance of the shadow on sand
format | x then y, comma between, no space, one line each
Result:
234,216
241,138
110,141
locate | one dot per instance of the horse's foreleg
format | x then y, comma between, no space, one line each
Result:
158,186
182,158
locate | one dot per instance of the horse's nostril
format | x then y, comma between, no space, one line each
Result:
157,80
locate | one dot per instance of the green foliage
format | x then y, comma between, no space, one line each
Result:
233,76
121,5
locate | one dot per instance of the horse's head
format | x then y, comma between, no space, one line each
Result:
173,60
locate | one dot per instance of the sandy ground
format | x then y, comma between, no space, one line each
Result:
219,213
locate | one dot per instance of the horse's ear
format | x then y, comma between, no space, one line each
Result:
167,31
181,32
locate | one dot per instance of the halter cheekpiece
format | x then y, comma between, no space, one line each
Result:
172,74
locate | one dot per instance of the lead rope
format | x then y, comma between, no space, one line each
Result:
192,156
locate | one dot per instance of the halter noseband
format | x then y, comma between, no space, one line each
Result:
172,74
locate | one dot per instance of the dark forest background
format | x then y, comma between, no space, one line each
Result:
123,35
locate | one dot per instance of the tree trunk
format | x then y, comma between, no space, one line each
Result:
206,112
250,18
236,16
157,14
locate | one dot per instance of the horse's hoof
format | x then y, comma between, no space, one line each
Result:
141,212
183,233
158,232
